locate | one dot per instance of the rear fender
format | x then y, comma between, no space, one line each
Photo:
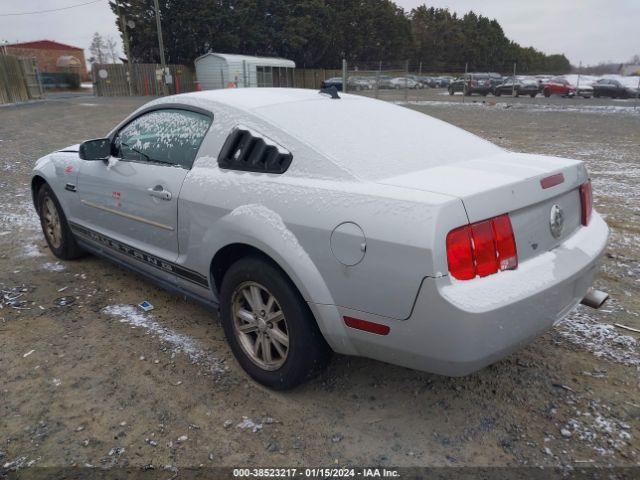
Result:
259,227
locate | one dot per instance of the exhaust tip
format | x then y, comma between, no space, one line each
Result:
595,298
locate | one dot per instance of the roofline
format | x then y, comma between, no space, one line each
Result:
18,44
248,57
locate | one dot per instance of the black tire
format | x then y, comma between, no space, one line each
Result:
546,92
498,92
533,95
596,95
62,244
517,93
451,92
307,352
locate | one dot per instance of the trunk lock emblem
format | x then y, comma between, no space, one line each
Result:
556,221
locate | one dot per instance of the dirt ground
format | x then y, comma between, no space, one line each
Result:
85,386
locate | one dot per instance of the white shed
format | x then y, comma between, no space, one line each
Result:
223,70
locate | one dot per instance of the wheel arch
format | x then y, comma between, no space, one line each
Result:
36,183
255,230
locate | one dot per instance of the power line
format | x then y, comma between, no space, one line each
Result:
47,11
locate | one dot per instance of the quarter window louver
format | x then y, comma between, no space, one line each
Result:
247,151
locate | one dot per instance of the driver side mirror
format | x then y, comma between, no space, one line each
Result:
98,149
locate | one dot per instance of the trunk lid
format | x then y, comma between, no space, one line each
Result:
510,183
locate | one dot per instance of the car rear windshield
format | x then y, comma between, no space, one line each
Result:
373,139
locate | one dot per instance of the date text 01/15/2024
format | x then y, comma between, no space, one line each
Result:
315,472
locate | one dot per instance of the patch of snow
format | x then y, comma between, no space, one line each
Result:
180,343
626,108
595,428
31,250
53,267
482,294
247,423
21,216
601,339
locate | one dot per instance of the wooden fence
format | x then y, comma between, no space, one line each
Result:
110,80
312,78
18,79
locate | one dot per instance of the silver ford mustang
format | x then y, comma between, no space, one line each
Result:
318,224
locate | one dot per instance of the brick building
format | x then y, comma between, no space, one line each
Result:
51,56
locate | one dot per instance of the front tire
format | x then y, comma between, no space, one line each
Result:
55,226
546,92
269,327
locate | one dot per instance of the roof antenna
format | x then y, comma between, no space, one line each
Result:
332,90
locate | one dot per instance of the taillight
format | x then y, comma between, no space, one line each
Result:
586,199
482,248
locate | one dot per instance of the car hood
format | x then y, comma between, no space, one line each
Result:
71,148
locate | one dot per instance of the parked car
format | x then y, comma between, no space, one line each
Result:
471,83
517,88
584,90
404,82
558,86
246,200
359,83
332,82
419,80
613,88
442,82
383,81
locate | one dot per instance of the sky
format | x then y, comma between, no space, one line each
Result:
587,31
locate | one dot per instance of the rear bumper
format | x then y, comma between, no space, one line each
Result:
459,327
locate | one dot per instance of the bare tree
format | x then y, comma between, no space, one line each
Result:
98,49
112,49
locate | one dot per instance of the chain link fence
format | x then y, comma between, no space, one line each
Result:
405,81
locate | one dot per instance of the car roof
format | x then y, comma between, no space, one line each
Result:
375,139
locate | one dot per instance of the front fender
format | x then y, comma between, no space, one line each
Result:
57,170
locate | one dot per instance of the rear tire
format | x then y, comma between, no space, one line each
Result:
55,227
451,92
269,327
533,95
546,92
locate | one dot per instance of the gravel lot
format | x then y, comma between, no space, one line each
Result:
82,385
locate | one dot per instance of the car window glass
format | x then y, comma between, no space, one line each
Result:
169,136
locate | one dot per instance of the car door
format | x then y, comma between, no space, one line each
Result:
507,87
129,204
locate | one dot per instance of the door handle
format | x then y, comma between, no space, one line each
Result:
159,192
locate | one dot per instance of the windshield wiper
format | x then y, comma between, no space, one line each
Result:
146,157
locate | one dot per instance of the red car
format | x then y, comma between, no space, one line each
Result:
558,86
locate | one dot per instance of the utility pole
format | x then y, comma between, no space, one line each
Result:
127,51
161,47
513,90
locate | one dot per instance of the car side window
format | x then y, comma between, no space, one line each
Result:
168,136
